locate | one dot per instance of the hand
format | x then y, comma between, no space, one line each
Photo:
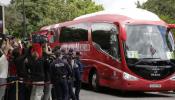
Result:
48,49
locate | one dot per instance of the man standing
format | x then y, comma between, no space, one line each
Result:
78,70
19,57
70,60
4,48
59,73
36,67
48,59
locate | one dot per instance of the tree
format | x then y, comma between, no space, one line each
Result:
164,8
13,20
44,12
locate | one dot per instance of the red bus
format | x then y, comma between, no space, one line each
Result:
126,49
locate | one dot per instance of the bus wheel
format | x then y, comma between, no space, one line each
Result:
95,81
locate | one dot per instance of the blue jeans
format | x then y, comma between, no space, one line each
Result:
47,92
37,91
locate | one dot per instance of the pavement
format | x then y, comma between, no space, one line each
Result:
110,94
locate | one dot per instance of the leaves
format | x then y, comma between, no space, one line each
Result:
164,8
39,13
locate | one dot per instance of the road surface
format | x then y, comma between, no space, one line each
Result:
109,94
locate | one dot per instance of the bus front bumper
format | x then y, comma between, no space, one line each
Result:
144,85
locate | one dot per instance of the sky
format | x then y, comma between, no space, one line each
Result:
4,2
114,4
107,4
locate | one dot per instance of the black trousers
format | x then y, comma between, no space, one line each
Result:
77,82
61,89
23,91
71,92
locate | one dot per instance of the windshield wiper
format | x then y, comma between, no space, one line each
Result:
146,59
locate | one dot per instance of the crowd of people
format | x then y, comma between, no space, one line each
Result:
49,74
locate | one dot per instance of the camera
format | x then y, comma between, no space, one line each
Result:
36,38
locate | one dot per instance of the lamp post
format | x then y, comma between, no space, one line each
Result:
3,18
24,20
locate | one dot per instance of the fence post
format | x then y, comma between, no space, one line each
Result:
17,85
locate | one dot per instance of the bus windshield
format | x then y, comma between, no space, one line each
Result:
149,41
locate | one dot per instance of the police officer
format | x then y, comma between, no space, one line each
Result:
78,70
71,78
59,73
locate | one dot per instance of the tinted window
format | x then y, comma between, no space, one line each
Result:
74,33
105,37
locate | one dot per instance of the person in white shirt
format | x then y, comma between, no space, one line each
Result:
4,48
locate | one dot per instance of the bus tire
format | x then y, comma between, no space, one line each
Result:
94,80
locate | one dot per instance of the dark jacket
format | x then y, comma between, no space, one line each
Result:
36,69
21,67
59,70
19,62
80,65
48,59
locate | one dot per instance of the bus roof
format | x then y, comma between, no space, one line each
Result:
120,15
50,27
131,13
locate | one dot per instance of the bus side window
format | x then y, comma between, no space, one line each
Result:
106,36
74,33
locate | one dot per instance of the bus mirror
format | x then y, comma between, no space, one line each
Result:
171,26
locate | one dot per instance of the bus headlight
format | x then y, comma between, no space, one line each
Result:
129,77
172,78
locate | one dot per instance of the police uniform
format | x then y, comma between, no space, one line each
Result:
78,70
71,78
59,74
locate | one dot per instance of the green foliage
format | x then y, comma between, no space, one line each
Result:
44,12
164,8
13,20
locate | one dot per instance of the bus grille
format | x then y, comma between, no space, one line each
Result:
153,70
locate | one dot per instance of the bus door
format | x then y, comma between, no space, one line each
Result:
105,40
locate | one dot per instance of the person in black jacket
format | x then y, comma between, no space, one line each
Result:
19,59
59,73
36,66
48,59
